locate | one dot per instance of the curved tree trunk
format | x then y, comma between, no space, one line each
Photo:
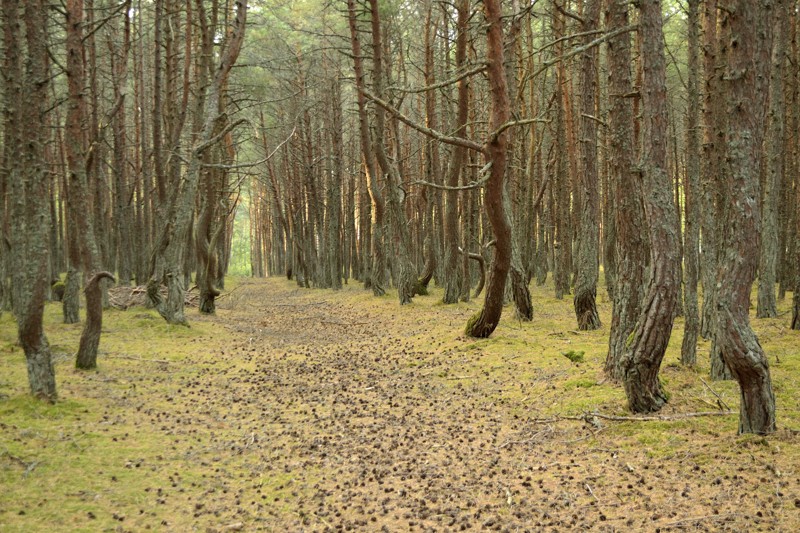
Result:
90,337
745,87
26,93
651,335
484,323
589,234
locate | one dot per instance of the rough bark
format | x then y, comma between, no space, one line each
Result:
562,238
692,191
767,306
484,323
27,103
744,84
632,248
453,278
90,337
648,343
589,234
83,254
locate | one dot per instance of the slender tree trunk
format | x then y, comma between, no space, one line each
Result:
562,238
453,278
767,306
375,279
691,190
589,234
642,360
484,323
745,87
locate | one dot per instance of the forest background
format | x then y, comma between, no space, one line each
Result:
660,141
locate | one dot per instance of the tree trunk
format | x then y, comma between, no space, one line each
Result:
90,338
484,323
589,234
691,189
740,348
26,94
632,248
767,306
376,277
453,278
562,238
648,343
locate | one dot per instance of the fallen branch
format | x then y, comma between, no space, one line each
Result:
719,399
133,358
587,417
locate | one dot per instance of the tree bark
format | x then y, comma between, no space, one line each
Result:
376,277
692,190
589,234
90,337
27,102
651,335
632,248
749,39
453,278
767,306
484,323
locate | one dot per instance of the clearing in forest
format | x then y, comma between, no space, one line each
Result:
312,410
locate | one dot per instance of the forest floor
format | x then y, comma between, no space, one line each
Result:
315,410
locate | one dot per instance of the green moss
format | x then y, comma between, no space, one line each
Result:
471,322
576,356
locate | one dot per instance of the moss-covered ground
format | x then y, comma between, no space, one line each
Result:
313,410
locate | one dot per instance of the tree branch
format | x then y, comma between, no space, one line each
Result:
439,136
474,70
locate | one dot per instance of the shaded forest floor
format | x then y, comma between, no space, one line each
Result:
309,410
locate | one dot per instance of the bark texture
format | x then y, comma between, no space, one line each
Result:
651,335
739,346
27,87
589,234
691,191
484,323
90,337
631,246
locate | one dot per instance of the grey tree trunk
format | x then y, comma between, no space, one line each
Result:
26,94
589,234
749,29
648,343
767,306
90,337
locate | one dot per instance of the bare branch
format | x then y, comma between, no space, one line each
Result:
447,139
469,186
471,72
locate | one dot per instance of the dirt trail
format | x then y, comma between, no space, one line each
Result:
325,417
